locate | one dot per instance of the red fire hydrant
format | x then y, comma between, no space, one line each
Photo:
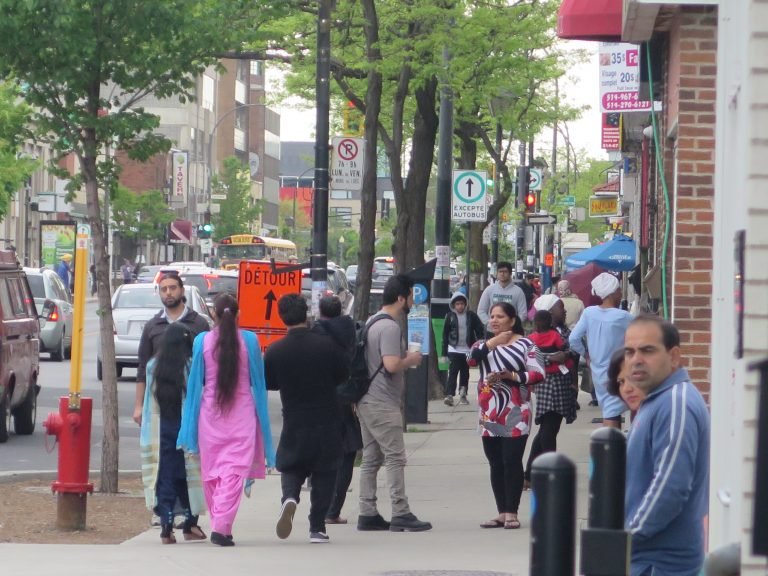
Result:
72,429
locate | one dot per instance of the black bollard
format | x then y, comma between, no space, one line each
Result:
605,545
607,478
553,516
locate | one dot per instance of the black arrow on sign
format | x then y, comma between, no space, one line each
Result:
469,187
270,298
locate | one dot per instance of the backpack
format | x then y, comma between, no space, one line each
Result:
356,386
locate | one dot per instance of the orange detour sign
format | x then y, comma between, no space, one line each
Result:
258,291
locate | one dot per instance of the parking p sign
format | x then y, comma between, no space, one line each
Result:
469,202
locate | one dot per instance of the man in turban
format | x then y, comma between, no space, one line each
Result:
603,329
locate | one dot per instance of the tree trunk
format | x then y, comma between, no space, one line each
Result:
368,196
408,246
110,441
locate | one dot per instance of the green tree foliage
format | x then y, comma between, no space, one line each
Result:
85,68
239,211
142,216
13,120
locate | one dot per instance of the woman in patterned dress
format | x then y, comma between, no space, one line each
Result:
509,365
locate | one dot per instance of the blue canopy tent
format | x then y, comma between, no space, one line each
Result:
616,255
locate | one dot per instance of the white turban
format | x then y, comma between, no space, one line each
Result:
604,285
545,302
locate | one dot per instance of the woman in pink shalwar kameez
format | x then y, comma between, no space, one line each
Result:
231,425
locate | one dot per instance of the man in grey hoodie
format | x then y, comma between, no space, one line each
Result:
503,290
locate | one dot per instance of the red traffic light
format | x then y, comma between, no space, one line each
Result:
530,200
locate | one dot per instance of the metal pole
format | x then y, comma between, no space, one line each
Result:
520,243
319,260
553,519
441,284
497,189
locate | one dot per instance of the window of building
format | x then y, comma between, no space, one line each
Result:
340,216
257,68
209,93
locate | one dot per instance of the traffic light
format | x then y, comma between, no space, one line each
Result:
530,203
523,181
204,231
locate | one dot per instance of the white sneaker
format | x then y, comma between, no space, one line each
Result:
319,538
285,521
463,401
448,400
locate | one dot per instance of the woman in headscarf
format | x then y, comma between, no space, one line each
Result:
555,397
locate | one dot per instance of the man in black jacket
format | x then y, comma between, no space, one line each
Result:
175,309
461,330
306,367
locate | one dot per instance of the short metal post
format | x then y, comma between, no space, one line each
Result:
553,516
605,545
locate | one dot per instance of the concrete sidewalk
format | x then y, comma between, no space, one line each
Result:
448,484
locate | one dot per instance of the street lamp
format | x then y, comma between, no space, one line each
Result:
341,249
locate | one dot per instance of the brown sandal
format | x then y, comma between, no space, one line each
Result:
170,539
512,524
194,533
495,523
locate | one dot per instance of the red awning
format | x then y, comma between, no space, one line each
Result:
598,20
180,232
613,185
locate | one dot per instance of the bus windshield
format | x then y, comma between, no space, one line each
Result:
239,252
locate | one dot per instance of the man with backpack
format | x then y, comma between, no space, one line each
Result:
381,418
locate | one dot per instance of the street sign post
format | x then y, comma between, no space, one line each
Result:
569,201
258,291
469,203
347,163
540,219
535,179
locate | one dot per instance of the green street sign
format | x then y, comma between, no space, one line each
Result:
567,201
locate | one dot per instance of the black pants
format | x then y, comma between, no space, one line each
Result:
546,439
505,456
343,479
460,368
320,493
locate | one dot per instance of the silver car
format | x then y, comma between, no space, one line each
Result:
55,312
132,306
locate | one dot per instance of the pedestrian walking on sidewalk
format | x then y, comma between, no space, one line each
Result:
510,365
168,475
555,396
620,384
381,419
461,330
603,327
306,367
225,416
666,499
342,330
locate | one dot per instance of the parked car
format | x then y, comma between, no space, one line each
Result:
352,275
382,271
132,306
19,349
210,282
55,312
337,284
147,274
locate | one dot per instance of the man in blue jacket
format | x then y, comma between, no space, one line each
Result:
667,455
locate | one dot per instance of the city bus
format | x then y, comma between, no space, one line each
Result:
231,250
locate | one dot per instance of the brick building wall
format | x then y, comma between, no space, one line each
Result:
142,176
690,167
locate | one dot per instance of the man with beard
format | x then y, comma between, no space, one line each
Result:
175,309
381,419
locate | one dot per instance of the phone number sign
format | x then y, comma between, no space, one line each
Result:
620,78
